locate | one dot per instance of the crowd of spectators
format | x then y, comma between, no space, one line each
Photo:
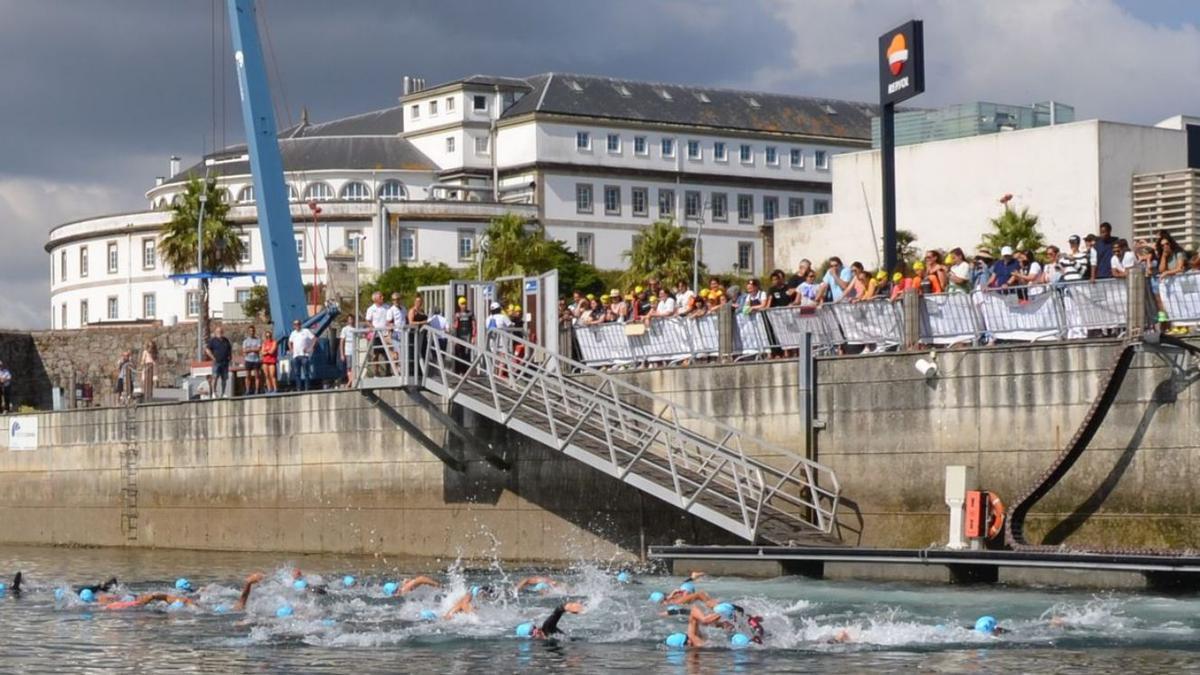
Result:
1093,257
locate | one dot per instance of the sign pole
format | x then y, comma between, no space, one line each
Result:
887,164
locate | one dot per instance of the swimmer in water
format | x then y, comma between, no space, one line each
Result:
301,584
409,585
466,603
97,588
15,588
549,627
694,637
987,625
536,584
143,600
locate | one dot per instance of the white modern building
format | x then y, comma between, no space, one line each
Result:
1072,176
593,159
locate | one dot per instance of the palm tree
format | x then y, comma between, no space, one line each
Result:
1017,229
662,251
514,248
222,246
906,252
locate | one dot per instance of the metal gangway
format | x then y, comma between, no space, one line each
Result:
755,490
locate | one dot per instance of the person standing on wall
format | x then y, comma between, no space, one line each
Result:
270,358
6,382
252,357
1103,250
377,316
124,388
300,345
348,338
220,351
463,327
149,362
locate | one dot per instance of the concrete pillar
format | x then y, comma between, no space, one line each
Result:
726,327
912,319
1135,318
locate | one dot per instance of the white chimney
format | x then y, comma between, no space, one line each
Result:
407,85
159,180
174,166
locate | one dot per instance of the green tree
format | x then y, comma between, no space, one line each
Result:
1018,229
258,305
663,251
515,247
406,279
222,247
906,252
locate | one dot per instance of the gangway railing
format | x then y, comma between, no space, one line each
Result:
735,481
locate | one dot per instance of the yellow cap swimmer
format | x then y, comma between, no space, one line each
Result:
462,300
897,277
880,275
638,289
918,266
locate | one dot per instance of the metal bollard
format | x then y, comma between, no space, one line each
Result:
726,328
1135,317
912,319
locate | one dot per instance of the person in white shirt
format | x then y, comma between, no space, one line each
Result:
300,345
377,316
498,329
959,276
685,299
1123,259
349,341
398,314
664,308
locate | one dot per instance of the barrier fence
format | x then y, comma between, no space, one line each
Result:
1025,314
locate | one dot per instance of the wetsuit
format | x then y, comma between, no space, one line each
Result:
97,588
550,625
16,586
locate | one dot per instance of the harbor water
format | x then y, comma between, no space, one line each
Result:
884,627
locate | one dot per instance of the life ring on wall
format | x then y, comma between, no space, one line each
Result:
996,510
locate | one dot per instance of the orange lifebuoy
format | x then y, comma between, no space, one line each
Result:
996,509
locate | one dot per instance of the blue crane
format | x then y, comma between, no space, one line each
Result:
285,288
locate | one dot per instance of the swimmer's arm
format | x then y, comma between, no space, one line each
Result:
532,581
417,582
550,625
250,581
463,606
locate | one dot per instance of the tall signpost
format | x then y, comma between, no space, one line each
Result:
901,76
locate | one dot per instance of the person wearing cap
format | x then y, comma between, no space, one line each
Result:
1093,261
981,268
1003,268
958,274
549,627
301,343
463,327
397,312
1074,261
694,637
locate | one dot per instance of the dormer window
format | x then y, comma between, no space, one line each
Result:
666,95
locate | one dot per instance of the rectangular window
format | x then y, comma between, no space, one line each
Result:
745,154
821,159
641,199
83,261
449,105
449,144
668,147
612,200
770,208
83,313
691,204
62,316
300,248
820,206
772,156
639,145
466,244
745,208
242,295
745,257
149,305
583,246
797,158
614,143
432,108
583,140
113,258
408,245
482,145
720,153
62,266
354,242
795,207
415,111
666,203
479,102
149,253
193,303
244,258
720,206
693,149
583,198
113,308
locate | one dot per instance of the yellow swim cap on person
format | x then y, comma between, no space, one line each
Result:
615,293
918,266
949,259
897,277
880,275
638,289
516,308
462,300
591,297
704,292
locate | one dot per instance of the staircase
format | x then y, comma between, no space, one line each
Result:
757,491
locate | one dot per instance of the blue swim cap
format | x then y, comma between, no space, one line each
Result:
623,577
677,640
525,630
986,625
178,604
87,595
738,640
724,609
220,609
284,612
347,581
541,586
687,587
474,591
182,584
3,588
428,615
657,596
328,623
390,587
58,594
299,584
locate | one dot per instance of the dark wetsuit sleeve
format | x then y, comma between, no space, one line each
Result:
679,611
550,625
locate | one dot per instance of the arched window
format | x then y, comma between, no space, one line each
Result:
318,191
246,195
226,197
176,200
356,192
392,191
292,194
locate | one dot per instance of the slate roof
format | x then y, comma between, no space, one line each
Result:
632,100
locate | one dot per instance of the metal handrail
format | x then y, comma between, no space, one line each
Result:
608,423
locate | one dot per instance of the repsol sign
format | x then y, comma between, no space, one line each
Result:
901,63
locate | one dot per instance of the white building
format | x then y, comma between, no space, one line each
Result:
593,159
1073,176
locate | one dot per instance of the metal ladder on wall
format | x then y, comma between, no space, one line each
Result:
755,490
129,471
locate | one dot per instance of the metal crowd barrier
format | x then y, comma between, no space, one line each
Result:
1024,314
789,324
873,322
949,319
1180,295
1094,305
